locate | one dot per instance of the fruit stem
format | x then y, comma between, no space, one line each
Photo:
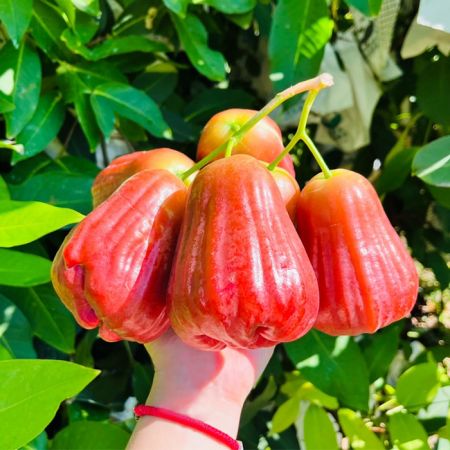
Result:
230,144
314,84
301,134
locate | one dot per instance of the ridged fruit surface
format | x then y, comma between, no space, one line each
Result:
263,141
113,269
123,167
367,279
289,190
241,276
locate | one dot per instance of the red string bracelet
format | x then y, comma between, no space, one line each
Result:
202,427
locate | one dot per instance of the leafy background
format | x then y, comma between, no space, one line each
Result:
84,80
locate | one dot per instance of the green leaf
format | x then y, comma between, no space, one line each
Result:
418,385
309,392
433,96
141,381
157,85
242,20
90,7
22,269
319,431
194,39
47,26
396,169
62,189
23,222
114,46
253,407
407,433
69,10
38,443
441,195
356,430
179,7
43,126
381,350
49,318
15,331
432,163
211,101
5,104
22,69
367,7
31,393
334,364
89,435
4,191
231,6
16,16
285,415
297,40
83,352
126,101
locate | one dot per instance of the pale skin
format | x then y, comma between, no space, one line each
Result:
209,386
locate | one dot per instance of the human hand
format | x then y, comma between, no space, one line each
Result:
205,385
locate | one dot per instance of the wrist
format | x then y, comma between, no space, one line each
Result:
209,402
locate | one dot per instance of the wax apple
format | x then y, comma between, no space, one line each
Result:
241,276
112,176
113,269
263,141
367,279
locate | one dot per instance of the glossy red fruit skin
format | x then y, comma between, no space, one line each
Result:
113,269
241,277
289,190
123,167
367,279
263,141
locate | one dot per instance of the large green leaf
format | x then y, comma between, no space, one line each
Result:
179,7
114,46
194,39
90,7
367,7
49,318
334,365
418,385
43,126
63,189
15,331
16,16
211,101
158,85
432,163
357,432
24,70
126,101
396,168
23,269
4,191
432,93
285,415
381,350
31,393
47,26
407,433
23,222
297,40
319,431
231,6
88,435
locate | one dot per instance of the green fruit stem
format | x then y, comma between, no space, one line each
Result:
314,84
301,135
